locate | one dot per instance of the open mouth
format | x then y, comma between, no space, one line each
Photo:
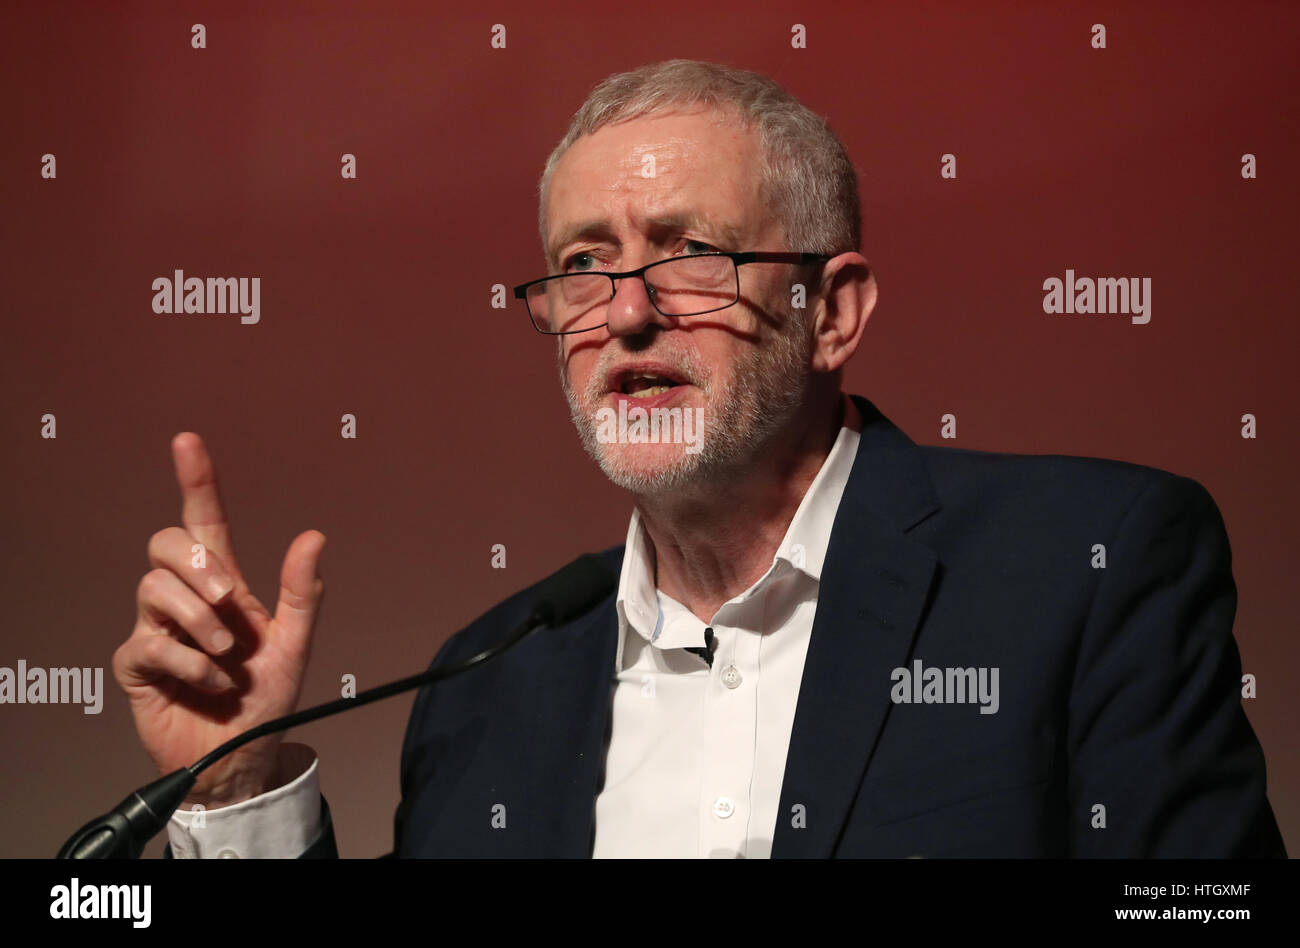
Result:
636,383
647,386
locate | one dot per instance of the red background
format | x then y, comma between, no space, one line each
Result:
376,300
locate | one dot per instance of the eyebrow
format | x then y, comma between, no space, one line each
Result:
726,233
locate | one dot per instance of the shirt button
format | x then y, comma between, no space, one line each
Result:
723,807
731,676
227,854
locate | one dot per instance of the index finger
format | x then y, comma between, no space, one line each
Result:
201,510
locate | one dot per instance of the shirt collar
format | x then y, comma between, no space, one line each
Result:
803,548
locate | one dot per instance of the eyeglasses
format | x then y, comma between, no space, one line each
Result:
686,285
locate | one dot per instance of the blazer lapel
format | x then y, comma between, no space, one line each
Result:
874,587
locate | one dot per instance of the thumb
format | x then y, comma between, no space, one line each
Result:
301,590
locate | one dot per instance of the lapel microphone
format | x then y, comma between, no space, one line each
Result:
706,652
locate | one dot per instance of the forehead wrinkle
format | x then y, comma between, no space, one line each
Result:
673,221
692,220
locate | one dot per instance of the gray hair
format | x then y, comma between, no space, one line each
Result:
808,179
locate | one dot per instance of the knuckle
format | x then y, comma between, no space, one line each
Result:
291,599
155,586
153,651
159,542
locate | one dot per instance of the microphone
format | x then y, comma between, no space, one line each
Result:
706,652
123,832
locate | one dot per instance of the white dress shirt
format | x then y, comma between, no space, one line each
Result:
696,754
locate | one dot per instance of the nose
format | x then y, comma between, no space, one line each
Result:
631,310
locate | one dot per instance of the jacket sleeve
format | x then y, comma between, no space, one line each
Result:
1157,734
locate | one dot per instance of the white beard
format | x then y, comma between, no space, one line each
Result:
766,387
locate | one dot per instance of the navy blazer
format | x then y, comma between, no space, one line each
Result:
1119,687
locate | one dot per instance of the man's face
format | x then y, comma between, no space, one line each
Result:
634,193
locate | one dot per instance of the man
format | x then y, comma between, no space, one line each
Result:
826,640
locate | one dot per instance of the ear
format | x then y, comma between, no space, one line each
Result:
848,295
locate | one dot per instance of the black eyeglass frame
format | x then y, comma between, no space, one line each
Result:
738,259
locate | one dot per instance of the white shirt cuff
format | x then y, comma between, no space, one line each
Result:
278,824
